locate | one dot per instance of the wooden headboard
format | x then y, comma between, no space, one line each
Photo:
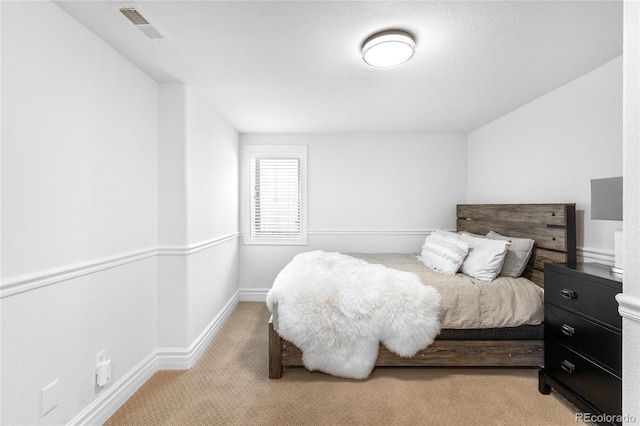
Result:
551,226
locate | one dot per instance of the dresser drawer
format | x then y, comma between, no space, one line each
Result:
586,336
589,298
601,388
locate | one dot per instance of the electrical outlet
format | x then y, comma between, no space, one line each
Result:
104,373
103,369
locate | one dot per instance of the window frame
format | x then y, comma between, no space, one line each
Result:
250,152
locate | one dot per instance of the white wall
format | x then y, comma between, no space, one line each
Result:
367,193
213,219
172,161
173,292
79,212
212,165
550,149
630,303
198,210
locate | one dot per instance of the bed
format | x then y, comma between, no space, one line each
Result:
551,226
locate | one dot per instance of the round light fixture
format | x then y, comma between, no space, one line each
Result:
388,49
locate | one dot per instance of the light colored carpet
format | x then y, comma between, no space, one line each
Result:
229,386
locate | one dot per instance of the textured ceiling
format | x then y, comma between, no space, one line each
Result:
295,66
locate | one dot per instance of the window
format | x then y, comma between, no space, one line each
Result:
274,194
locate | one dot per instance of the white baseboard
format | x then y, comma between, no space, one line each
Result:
119,392
185,358
253,294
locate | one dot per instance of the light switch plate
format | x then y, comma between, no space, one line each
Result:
101,357
50,396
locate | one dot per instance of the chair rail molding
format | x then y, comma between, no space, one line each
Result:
597,255
369,231
194,248
629,306
27,282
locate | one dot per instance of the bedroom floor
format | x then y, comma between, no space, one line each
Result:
229,385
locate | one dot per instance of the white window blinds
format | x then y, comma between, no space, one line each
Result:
276,193
274,199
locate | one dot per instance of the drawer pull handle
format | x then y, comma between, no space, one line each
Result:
568,294
567,366
567,329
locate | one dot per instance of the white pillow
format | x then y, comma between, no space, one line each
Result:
451,234
518,254
485,257
471,234
443,253
456,235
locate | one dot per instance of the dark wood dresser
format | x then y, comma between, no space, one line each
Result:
583,338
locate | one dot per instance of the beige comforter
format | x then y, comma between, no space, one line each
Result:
470,303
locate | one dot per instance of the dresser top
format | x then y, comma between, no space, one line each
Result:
593,271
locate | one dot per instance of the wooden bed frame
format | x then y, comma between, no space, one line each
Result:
552,226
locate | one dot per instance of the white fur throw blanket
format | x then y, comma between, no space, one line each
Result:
337,309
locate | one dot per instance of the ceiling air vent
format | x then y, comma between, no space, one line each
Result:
142,23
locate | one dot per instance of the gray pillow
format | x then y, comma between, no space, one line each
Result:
518,254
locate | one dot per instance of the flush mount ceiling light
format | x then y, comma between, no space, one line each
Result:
388,49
